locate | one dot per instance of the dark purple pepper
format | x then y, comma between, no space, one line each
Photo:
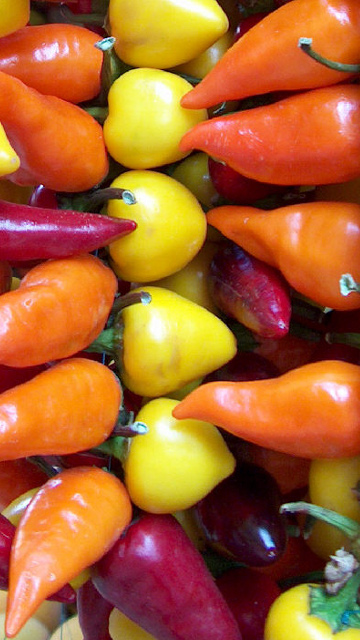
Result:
94,612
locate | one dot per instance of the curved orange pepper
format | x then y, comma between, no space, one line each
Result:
60,307
71,522
311,412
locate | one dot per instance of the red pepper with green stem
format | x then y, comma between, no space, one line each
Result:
58,143
308,138
267,58
33,233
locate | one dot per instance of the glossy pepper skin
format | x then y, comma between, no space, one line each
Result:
312,244
308,138
55,59
33,233
59,144
267,58
48,549
70,407
312,411
94,612
58,309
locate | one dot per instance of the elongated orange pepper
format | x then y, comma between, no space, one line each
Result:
59,144
70,407
60,307
313,244
312,411
56,59
267,58
308,138
60,534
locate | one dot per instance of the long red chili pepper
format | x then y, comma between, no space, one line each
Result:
70,407
312,411
267,58
309,138
31,233
58,143
60,307
71,522
56,59
315,245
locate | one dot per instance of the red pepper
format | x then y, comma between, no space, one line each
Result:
267,58
309,138
33,233
58,143
56,59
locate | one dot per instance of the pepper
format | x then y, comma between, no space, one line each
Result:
58,143
48,549
313,244
15,14
94,612
9,160
33,233
312,411
267,57
70,407
308,138
60,307
56,59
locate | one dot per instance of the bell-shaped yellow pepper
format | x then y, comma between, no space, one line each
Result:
14,14
177,462
170,342
164,33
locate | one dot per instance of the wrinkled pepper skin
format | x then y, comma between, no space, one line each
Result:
156,576
59,144
61,534
308,138
55,59
267,57
312,244
312,411
60,307
70,407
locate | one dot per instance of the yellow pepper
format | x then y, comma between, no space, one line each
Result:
164,33
14,14
145,122
177,462
9,160
170,342
203,63
193,172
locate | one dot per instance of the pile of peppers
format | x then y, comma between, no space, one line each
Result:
179,319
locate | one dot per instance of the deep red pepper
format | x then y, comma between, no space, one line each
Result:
32,233
94,612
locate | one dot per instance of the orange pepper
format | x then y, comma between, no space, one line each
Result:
59,144
71,522
313,244
311,412
308,138
55,59
70,407
60,307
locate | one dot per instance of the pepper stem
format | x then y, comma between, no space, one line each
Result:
349,527
98,198
352,339
348,284
305,45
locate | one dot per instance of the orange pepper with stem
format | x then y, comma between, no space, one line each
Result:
59,144
56,59
60,307
60,534
311,412
308,138
72,406
315,245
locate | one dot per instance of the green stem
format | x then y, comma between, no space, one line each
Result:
98,113
98,198
349,527
305,45
352,339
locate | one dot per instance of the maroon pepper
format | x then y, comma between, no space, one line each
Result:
36,233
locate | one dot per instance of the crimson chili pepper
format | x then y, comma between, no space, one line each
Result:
94,612
72,520
267,58
66,594
60,307
31,233
308,138
59,144
315,245
312,411
56,59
